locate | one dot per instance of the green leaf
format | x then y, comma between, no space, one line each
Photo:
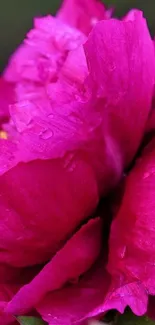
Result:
30,321
128,318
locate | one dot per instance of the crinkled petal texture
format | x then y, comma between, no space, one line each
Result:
82,14
132,240
47,53
6,99
121,63
75,258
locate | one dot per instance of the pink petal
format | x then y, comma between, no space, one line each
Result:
121,62
11,279
39,215
8,155
6,293
74,304
6,99
133,14
75,67
44,52
90,298
120,295
60,119
132,240
75,258
82,14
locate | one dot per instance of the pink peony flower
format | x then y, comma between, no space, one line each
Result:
82,104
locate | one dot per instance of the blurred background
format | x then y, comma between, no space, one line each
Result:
16,18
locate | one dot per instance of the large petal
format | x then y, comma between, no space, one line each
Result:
75,304
75,258
41,203
132,240
82,14
121,63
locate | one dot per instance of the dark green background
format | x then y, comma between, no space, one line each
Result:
16,18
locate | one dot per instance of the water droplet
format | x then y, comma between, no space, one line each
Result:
46,134
70,163
68,160
122,252
146,175
72,167
3,135
51,116
20,238
94,21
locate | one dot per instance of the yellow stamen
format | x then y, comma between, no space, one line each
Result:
3,135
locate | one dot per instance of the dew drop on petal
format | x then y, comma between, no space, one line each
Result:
46,134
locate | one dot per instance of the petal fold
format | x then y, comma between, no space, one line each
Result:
75,258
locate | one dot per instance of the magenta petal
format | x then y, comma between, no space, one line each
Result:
74,304
132,240
75,67
39,215
75,258
133,14
6,99
121,63
82,14
120,295
44,52
6,293
11,280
